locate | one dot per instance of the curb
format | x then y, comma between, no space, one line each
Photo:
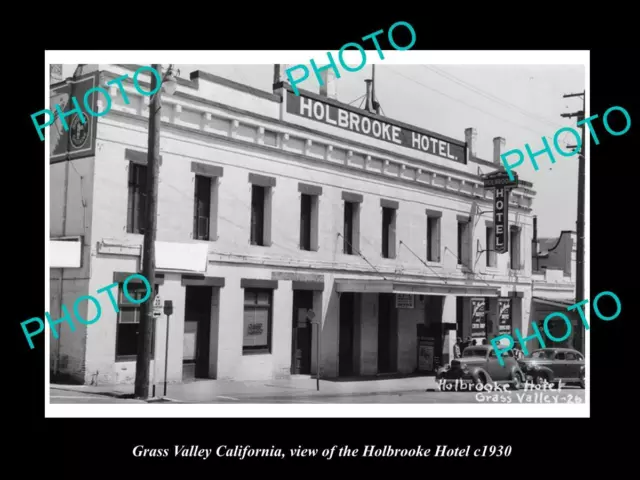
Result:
252,396
333,395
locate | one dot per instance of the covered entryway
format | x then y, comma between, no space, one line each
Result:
197,331
302,332
399,328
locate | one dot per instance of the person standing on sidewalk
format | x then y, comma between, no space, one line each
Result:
457,350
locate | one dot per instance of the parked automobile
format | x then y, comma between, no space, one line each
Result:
480,365
554,364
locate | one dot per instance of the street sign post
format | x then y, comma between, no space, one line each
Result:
168,310
311,315
157,306
501,184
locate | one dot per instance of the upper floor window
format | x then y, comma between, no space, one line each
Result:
137,197
261,194
389,210
205,200
515,248
433,236
464,241
351,232
490,243
202,207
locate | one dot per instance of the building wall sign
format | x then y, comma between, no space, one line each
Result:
404,300
79,140
478,318
504,316
296,277
372,127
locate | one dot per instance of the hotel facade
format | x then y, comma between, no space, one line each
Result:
291,230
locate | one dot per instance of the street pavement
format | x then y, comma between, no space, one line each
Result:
566,395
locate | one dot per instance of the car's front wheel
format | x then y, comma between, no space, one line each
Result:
541,379
516,382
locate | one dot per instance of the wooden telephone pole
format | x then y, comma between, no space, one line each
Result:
580,115
145,332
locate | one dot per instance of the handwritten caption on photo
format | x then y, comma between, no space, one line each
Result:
547,148
496,342
243,452
66,317
332,63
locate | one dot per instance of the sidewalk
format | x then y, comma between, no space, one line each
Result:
203,391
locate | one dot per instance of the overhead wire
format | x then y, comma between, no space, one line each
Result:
490,96
469,105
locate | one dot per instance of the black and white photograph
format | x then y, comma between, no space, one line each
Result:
239,237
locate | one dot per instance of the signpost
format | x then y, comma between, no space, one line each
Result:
501,184
311,315
157,306
168,311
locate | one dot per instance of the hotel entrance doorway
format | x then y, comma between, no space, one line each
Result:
302,332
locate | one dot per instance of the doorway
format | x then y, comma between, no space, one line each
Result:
387,334
197,331
302,333
346,345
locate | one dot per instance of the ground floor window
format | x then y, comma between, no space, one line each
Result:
129,322
257,321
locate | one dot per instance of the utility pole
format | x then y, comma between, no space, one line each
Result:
581,203
145,332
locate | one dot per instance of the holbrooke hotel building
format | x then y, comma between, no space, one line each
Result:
271,205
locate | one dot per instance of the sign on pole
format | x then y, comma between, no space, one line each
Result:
157,307
501,184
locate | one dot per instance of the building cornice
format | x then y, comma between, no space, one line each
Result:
410,170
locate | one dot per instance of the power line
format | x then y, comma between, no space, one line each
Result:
491,96
468,105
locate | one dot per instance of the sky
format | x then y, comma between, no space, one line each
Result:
521,103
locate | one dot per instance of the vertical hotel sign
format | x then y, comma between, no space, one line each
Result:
501,184
80,139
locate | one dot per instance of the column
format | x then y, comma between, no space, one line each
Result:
493,322
449,316
368,329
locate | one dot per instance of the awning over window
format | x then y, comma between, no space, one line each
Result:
414,288
555,302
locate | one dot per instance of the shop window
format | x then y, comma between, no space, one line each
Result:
257,321
137,198
127,329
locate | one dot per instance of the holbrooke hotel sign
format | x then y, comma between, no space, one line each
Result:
375,128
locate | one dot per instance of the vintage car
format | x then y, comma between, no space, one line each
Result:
550,365
479,364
